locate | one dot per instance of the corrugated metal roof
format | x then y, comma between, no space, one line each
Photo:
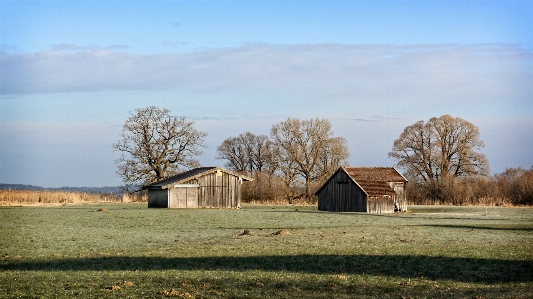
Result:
375,180
188,175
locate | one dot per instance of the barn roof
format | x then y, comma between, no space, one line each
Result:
189,175
374,181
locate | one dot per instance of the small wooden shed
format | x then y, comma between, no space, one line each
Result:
204,187
363,189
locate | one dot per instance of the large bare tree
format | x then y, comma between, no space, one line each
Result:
438,150
155,145
307,149
246,152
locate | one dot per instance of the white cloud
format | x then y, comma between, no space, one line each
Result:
315,72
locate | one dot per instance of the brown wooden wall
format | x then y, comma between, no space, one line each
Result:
341,194
218,190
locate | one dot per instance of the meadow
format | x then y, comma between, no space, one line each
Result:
125,250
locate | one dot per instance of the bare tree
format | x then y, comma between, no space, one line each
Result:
246,152
307,149
441,149
155,145
233,150
333,155
252,154
260,152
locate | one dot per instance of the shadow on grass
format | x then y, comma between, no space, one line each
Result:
474,227
434,268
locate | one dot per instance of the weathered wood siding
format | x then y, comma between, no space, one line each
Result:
218,190
400,199
341,194
158,198
382,204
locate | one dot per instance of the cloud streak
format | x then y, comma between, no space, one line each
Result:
323,72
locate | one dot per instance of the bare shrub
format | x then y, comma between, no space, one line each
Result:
457,191
272,189
516,185
264,189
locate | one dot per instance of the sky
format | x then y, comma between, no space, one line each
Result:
71,72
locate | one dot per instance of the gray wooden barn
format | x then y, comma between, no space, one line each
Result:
363,189
204,187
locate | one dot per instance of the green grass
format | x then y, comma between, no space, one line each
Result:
136,252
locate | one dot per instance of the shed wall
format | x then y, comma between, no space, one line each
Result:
341,194
218,190
383,204
158,198
400,199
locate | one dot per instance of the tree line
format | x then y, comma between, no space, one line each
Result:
441,158
290,163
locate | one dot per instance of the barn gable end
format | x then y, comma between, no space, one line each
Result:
205,187
363,189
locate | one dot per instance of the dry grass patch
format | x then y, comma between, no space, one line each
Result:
174,293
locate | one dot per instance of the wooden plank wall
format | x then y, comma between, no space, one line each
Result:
218,190
341,194
401,198
381,205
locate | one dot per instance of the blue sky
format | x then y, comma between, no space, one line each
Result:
71,71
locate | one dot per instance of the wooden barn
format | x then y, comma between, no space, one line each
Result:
204,187
363,189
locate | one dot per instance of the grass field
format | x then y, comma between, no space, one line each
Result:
129,251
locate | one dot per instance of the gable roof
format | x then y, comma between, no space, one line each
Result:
374,181
189,175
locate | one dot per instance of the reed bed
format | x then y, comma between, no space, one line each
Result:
139,196
10,197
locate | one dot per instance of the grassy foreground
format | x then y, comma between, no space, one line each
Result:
130,251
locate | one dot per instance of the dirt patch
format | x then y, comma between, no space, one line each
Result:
125,283
281,232
247,232
113,288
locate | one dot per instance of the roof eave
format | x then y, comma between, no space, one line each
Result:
208,171
406,180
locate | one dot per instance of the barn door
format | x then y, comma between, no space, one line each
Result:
184,196
177,198
192,197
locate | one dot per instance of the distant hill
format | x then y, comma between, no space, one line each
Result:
114,190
